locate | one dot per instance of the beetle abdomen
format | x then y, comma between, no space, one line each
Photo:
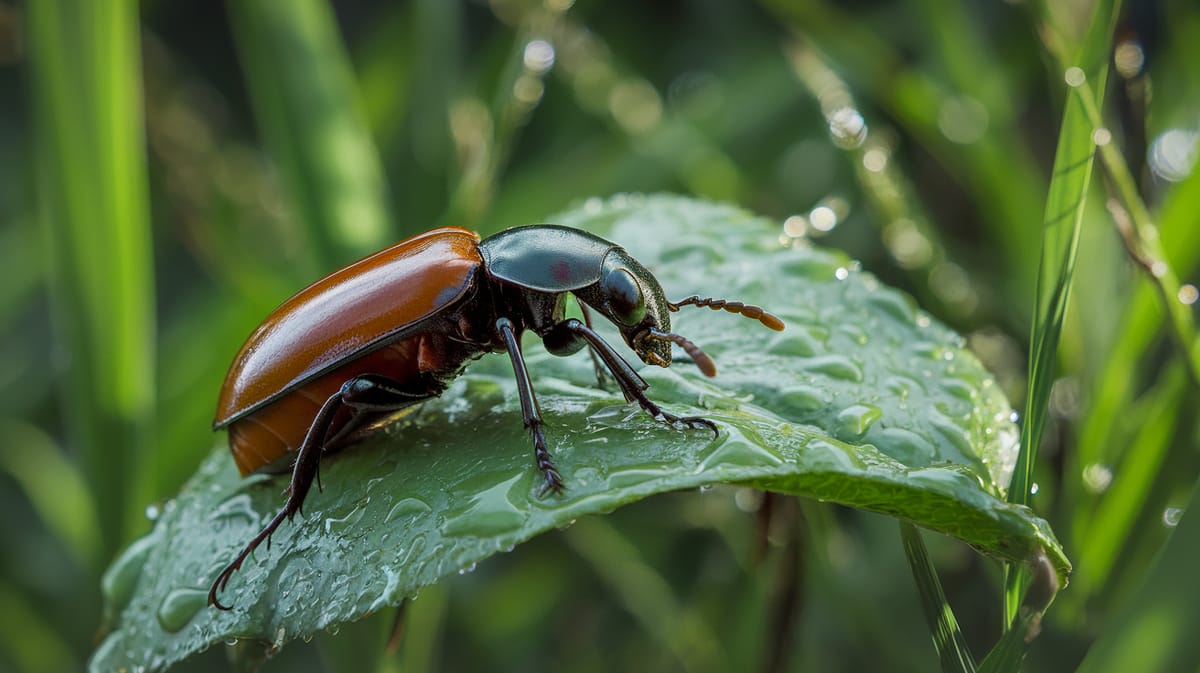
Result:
264,437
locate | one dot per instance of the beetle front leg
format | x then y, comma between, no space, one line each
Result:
529,407
631,383
602,377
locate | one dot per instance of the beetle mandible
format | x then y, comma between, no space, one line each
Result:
395,328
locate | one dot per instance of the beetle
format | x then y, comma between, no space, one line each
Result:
395,328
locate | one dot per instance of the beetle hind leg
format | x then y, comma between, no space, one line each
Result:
363,395
303,472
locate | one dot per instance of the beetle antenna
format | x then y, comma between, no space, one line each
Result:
748,310
705,363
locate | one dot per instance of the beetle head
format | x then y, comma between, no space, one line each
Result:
632,299
630,296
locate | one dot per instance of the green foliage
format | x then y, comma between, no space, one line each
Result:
281,139
863,401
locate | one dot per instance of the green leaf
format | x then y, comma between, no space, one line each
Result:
863,400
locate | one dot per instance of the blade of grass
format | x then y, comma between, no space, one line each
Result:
54,486
901,213
948,638
86,76
1008,654
1060,239
999,174
1139,233
27,638
306,104
1155,631
1124,371
1123,503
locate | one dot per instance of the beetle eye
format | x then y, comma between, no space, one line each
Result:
624,296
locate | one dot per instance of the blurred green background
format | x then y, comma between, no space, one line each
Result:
170,171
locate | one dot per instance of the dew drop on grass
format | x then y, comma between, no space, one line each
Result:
1171,516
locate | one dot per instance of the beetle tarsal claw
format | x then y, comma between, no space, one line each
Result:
705,363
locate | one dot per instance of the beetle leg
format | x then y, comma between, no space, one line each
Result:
363,394
307,460
529,407
631,386
602,377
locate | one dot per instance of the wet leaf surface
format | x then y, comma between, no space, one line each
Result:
863,400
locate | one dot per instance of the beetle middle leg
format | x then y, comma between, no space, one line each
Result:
529,407
363,395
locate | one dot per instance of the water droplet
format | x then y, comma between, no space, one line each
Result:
634,474
794,342
179,606
1188,294
836,366
1171,516
528,90
636,105
1101,137
823,218
736,451
904,445
907,243
959,388
122,576
345,524
799,399
748,499
962,119
539,56
1034,488
489,507
795,226
1172,154
237,507
152,511
407,507
1097,478
1075,76
856,419
876,159
841,273
1129,58
847,127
